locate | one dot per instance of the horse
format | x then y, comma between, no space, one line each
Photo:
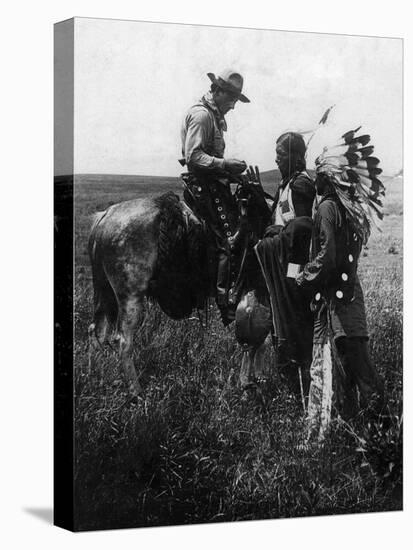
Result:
157,247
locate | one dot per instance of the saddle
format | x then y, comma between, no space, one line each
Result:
248,215
186,270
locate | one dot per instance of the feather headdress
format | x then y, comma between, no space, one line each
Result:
351,168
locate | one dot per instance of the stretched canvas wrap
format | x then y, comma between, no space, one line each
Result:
228,274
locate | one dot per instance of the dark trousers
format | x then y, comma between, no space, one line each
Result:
361,385
213,201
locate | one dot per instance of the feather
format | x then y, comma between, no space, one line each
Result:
361,165
338,149
377,211
348,136
353,176
336,160
329,168
353,158
324,118
367,200
350,165
369,172
370,163
363,140
366,151
363,188
341,181
329,164
377,187
376,200
321,122
375,171
342,148
363,185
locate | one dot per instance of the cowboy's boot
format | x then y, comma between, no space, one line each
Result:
226,296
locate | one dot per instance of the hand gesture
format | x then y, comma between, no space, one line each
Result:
254,175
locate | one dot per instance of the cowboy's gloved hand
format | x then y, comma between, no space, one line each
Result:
235,166
272,230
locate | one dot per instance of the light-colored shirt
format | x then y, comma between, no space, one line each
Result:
285,211
202,137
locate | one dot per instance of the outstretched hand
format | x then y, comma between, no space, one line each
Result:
254,174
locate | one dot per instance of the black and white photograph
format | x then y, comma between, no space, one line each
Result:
228,274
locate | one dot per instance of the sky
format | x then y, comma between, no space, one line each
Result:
134,82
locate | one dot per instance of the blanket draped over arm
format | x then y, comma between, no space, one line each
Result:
292,318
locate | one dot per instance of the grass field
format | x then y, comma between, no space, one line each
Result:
191,449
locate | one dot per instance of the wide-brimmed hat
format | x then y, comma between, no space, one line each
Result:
230,81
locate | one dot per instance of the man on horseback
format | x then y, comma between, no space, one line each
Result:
208,190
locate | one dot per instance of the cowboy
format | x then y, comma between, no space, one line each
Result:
208,188
340,228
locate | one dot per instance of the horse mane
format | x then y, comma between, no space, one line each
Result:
184,277
180,281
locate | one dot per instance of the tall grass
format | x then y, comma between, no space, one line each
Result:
193,448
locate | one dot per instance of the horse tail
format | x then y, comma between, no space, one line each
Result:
105,304
96,219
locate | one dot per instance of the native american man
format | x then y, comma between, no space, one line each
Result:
295,196
285,244
208,182
349,196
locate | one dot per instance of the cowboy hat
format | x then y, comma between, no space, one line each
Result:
230,81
